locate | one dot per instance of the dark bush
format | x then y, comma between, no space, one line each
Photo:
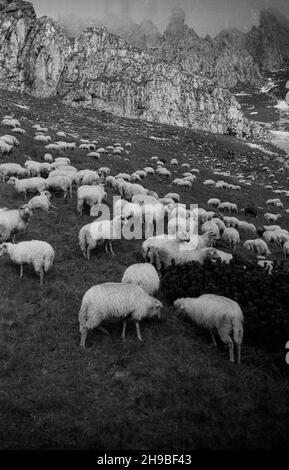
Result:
263,297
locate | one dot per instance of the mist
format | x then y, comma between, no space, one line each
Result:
205,16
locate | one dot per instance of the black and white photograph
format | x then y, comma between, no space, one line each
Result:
144,228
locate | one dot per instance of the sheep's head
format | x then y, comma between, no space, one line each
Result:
25,212
211,253
12,180
155,309
4,249
179,305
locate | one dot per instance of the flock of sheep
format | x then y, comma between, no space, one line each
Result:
182,234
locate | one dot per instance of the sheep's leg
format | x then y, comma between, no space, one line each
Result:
83,338
225,337
105,247
124,325
103,330
41,274
21,271
65,194
239,354
110,248
213,338
138,330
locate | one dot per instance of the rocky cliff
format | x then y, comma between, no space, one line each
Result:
102,71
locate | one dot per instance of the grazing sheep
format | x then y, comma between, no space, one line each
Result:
271,217
259,246
60,183
115,300
98,233
41,202
12,169
209,183
216,312
144,275
211,226
38,253
214,202
228,207
90,195
231,237
14,221
29,184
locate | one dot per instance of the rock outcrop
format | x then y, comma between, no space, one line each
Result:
268,43
105,72
102,71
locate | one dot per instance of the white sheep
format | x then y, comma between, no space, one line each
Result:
90,195
38,253
231,237
216,312
41,202
115,300
60,183
12,169
214,202
14,221
98,233
144,275
28,184
271,217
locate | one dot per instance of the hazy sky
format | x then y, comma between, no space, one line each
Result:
205,16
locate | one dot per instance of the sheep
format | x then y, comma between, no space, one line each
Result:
270,236
216,312
286,249
225,257
211,226
231,237
12,169
41,202
115,300
45,139
209,183
149,170
38,253
184,184
5,148
10,140
271,217
247,227
228,207
60,183
29,184
144,275
271,227
90,195
98,233
89,178
163,172
220,224
214,202
10,122
179,251
73,176
14,221
259,246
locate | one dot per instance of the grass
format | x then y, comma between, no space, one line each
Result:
171,391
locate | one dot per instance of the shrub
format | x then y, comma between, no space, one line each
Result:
263,297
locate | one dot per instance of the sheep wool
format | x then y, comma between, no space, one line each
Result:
216,312
144,275
38,253
115,300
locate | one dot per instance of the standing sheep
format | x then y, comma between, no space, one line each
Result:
216,312
115,300
38,253
144,275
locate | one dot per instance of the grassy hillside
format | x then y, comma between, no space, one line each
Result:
171,391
